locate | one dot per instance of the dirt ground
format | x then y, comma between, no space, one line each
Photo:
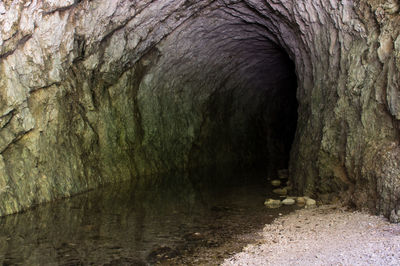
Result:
327,235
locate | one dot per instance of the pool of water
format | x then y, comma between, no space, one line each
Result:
176,218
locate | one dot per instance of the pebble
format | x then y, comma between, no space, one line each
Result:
324,236
288,201
272,204
310,203
276,183
280,191
300,201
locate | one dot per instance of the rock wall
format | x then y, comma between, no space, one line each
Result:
100,91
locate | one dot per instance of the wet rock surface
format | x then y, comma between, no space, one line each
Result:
94,90
172,220
97,92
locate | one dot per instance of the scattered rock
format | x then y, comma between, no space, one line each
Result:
301,201
310,203
288,201
276,183
272,203
280,191
193,236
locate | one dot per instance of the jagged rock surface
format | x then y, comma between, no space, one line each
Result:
99,91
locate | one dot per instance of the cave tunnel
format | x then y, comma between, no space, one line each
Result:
106,93
95,92
229,86
163,87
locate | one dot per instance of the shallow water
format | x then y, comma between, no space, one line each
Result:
177,218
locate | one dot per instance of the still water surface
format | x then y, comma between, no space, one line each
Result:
177,218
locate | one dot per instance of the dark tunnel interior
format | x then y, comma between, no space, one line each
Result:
236,85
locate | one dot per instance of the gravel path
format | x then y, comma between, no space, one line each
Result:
327,235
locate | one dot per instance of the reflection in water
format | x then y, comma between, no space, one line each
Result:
136,222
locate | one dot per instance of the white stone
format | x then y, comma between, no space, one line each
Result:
310,203
2,8
288,201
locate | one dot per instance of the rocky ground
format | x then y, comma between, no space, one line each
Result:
327,235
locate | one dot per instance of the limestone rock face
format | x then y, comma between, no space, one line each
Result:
99,91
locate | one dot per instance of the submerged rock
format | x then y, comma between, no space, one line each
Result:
162,253
272,203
